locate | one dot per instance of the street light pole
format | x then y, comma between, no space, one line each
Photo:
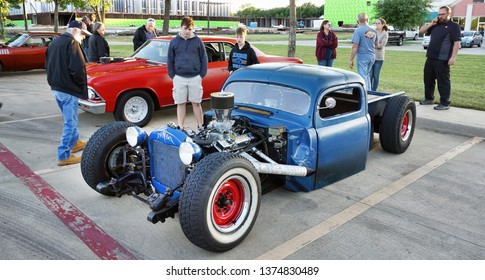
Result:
208,17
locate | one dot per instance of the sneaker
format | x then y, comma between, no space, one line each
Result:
441,107
79,146
71,160
426,102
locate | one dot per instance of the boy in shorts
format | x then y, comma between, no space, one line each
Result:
187,66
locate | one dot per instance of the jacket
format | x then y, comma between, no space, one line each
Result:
186,57
140,36
98,47
323,43
240,58
66,66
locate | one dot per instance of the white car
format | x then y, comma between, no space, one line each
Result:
425,42
412,34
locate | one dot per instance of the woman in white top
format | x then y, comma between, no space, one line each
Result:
383,36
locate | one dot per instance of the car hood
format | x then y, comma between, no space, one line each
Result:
129,64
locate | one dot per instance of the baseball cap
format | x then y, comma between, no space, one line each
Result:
79,25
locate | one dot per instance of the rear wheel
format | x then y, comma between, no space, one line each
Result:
135,107
398,124
220,202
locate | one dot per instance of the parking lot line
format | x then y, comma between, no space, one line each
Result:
103,245
298,242
31,119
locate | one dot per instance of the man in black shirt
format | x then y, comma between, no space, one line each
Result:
441,54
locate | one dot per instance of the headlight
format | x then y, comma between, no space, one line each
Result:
188,151
91,93
135,136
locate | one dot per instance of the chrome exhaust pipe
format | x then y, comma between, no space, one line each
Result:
278,169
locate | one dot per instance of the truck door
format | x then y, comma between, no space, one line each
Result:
343,134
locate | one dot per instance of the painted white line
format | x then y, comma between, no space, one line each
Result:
298,242
31,119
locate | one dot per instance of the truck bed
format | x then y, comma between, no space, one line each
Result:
377,101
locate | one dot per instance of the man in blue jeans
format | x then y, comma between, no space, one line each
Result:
66,74
364,42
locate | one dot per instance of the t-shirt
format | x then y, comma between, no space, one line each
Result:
365,36
443,36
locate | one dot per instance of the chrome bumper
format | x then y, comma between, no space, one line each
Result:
91,107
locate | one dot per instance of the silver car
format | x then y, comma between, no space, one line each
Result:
425,42
471,38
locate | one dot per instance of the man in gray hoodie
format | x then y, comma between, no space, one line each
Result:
187,66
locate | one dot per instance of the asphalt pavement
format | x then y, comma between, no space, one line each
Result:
424,204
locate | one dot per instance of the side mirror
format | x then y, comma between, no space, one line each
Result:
330,103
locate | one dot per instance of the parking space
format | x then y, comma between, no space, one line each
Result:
424,204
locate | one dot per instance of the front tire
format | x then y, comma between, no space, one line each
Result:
103,155
400,42
398,124
135,107
220,202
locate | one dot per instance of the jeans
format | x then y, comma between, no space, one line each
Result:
70,134
376,71
364,67
437,70
326,62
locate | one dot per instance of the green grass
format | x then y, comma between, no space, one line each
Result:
402,71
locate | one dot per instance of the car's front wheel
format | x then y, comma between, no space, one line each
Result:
135,107
102,158
220,202
400,42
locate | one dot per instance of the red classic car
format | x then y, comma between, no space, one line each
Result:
134,87
25,51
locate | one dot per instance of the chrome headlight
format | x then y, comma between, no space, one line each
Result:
135,136
91,93
189,151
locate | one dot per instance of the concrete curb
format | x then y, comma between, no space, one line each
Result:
453,121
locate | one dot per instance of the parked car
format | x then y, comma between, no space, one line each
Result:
25,51
302,126
412,34
396,37
471,38
132,88
425,42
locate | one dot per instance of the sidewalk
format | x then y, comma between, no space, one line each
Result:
455,120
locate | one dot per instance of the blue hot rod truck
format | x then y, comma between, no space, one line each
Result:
300,126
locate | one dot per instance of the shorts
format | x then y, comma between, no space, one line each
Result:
187,89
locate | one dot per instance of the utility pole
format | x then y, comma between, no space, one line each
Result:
208,17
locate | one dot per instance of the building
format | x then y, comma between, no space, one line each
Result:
469,14
135,8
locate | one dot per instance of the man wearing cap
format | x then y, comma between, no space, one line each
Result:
143,33
66,75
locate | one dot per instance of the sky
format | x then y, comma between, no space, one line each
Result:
268,4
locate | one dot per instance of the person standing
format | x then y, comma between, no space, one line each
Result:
187,66
327,43
66,75
98,46
88,20
441,54
382,37
242,54
364,42
144,32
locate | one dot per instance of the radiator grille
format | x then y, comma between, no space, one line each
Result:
166,166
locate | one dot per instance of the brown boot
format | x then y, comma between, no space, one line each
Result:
79,146
71,160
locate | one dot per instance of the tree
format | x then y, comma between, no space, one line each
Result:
292,33
4,11
99,7
403,14
166,18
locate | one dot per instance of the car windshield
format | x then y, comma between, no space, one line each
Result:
466,34
153,50
277,97
17,40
